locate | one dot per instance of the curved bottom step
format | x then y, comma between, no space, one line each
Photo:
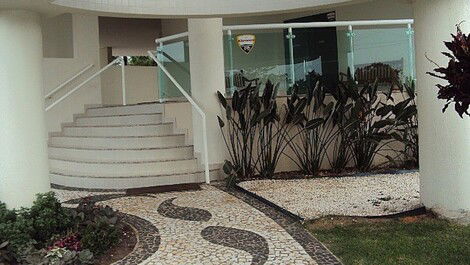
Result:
120,183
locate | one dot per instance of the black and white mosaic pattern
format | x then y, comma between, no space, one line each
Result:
244,240
148,240
170,210
210,226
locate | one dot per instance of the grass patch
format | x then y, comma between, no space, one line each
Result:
409,240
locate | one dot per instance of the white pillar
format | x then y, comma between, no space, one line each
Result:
444,138
23,153
206,55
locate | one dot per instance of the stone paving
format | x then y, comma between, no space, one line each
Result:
209,226
370,195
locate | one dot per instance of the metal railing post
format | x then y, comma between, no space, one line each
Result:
230,57
351,46
291,37
410,33
123,81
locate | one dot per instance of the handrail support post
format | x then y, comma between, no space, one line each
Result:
123,81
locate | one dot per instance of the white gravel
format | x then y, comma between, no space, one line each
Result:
374,195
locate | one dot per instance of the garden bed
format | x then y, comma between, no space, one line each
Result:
360,195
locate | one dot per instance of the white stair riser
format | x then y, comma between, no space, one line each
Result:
121,155
129,183
125,110
120,120
147,130
118,143
123,170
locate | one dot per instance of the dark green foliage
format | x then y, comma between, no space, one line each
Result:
6,256
99,236
49,217
406,131
315,132
254,131
372,119
47,233
16,229
141,61
59,256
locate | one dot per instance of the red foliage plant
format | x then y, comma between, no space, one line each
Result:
71,242
457,74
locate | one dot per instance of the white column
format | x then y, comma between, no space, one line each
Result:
206,55
444,138
23,153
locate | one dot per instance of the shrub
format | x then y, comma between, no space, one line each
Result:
315,131
373,119
456,74
255,131
99,236
406,132
6,256
49,217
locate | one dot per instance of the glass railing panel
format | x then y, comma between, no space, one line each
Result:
267,59
301,56
175,58
320,55
385,54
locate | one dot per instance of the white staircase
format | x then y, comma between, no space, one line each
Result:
123,147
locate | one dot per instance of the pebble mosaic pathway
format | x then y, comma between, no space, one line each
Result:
209,226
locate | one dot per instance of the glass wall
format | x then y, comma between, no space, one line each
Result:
265,60
306,55
175,58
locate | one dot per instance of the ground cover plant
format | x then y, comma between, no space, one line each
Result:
397,241
48,233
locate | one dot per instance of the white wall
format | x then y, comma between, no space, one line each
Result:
444,137
57,36
57,70
141,85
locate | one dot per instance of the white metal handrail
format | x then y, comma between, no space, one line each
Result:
123,80
48,95
319,24
172,37
196,107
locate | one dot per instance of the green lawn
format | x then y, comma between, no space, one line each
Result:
424,241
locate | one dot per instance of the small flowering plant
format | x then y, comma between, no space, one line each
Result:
457,74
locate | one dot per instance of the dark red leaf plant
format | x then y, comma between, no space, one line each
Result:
457,74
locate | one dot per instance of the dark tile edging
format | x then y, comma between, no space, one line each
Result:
416,211
270,203
148,240
319,252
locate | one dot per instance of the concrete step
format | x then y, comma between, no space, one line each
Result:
131,155
119,130
125,110
123,169
129,119
140,142
120,183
